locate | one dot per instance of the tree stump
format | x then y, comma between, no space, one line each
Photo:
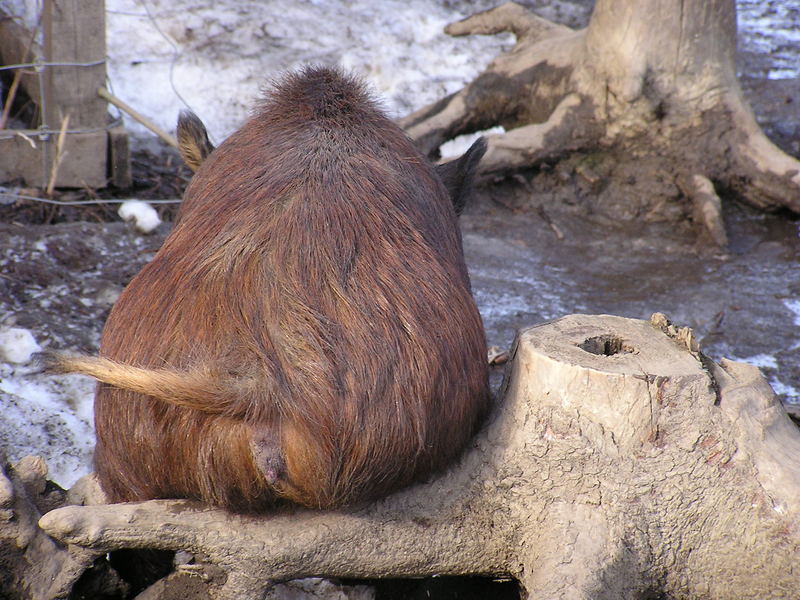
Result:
648,93
620,463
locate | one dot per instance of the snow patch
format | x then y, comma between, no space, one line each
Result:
762,361
49,416
457,146
214,57
143,216
17,345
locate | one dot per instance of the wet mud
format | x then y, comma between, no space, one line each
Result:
743,303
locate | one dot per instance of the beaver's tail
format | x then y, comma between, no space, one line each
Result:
199,389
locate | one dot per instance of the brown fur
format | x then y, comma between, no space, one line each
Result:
193,143
457,175
307,331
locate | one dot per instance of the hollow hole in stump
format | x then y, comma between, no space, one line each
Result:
606,345
465,587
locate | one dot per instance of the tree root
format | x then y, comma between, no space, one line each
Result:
642,79
511,17
532,144
763,173
518,88
707,206
37,567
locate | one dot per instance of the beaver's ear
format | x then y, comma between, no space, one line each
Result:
193,143
458,175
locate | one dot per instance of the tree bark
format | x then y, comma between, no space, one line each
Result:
648,90
621,463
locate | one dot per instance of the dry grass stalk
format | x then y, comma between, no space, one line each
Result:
59,157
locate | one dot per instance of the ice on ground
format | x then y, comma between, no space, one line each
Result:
770,29
794,305
762,361
789,393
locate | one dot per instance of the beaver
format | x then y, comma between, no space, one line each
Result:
307,332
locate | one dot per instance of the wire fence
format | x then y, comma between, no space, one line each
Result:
10,196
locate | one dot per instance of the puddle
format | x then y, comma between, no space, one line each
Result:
744,305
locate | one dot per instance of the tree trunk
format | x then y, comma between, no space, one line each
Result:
648,91
621,463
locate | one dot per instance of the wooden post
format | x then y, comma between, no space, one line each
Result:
77,33
74,39
18,46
